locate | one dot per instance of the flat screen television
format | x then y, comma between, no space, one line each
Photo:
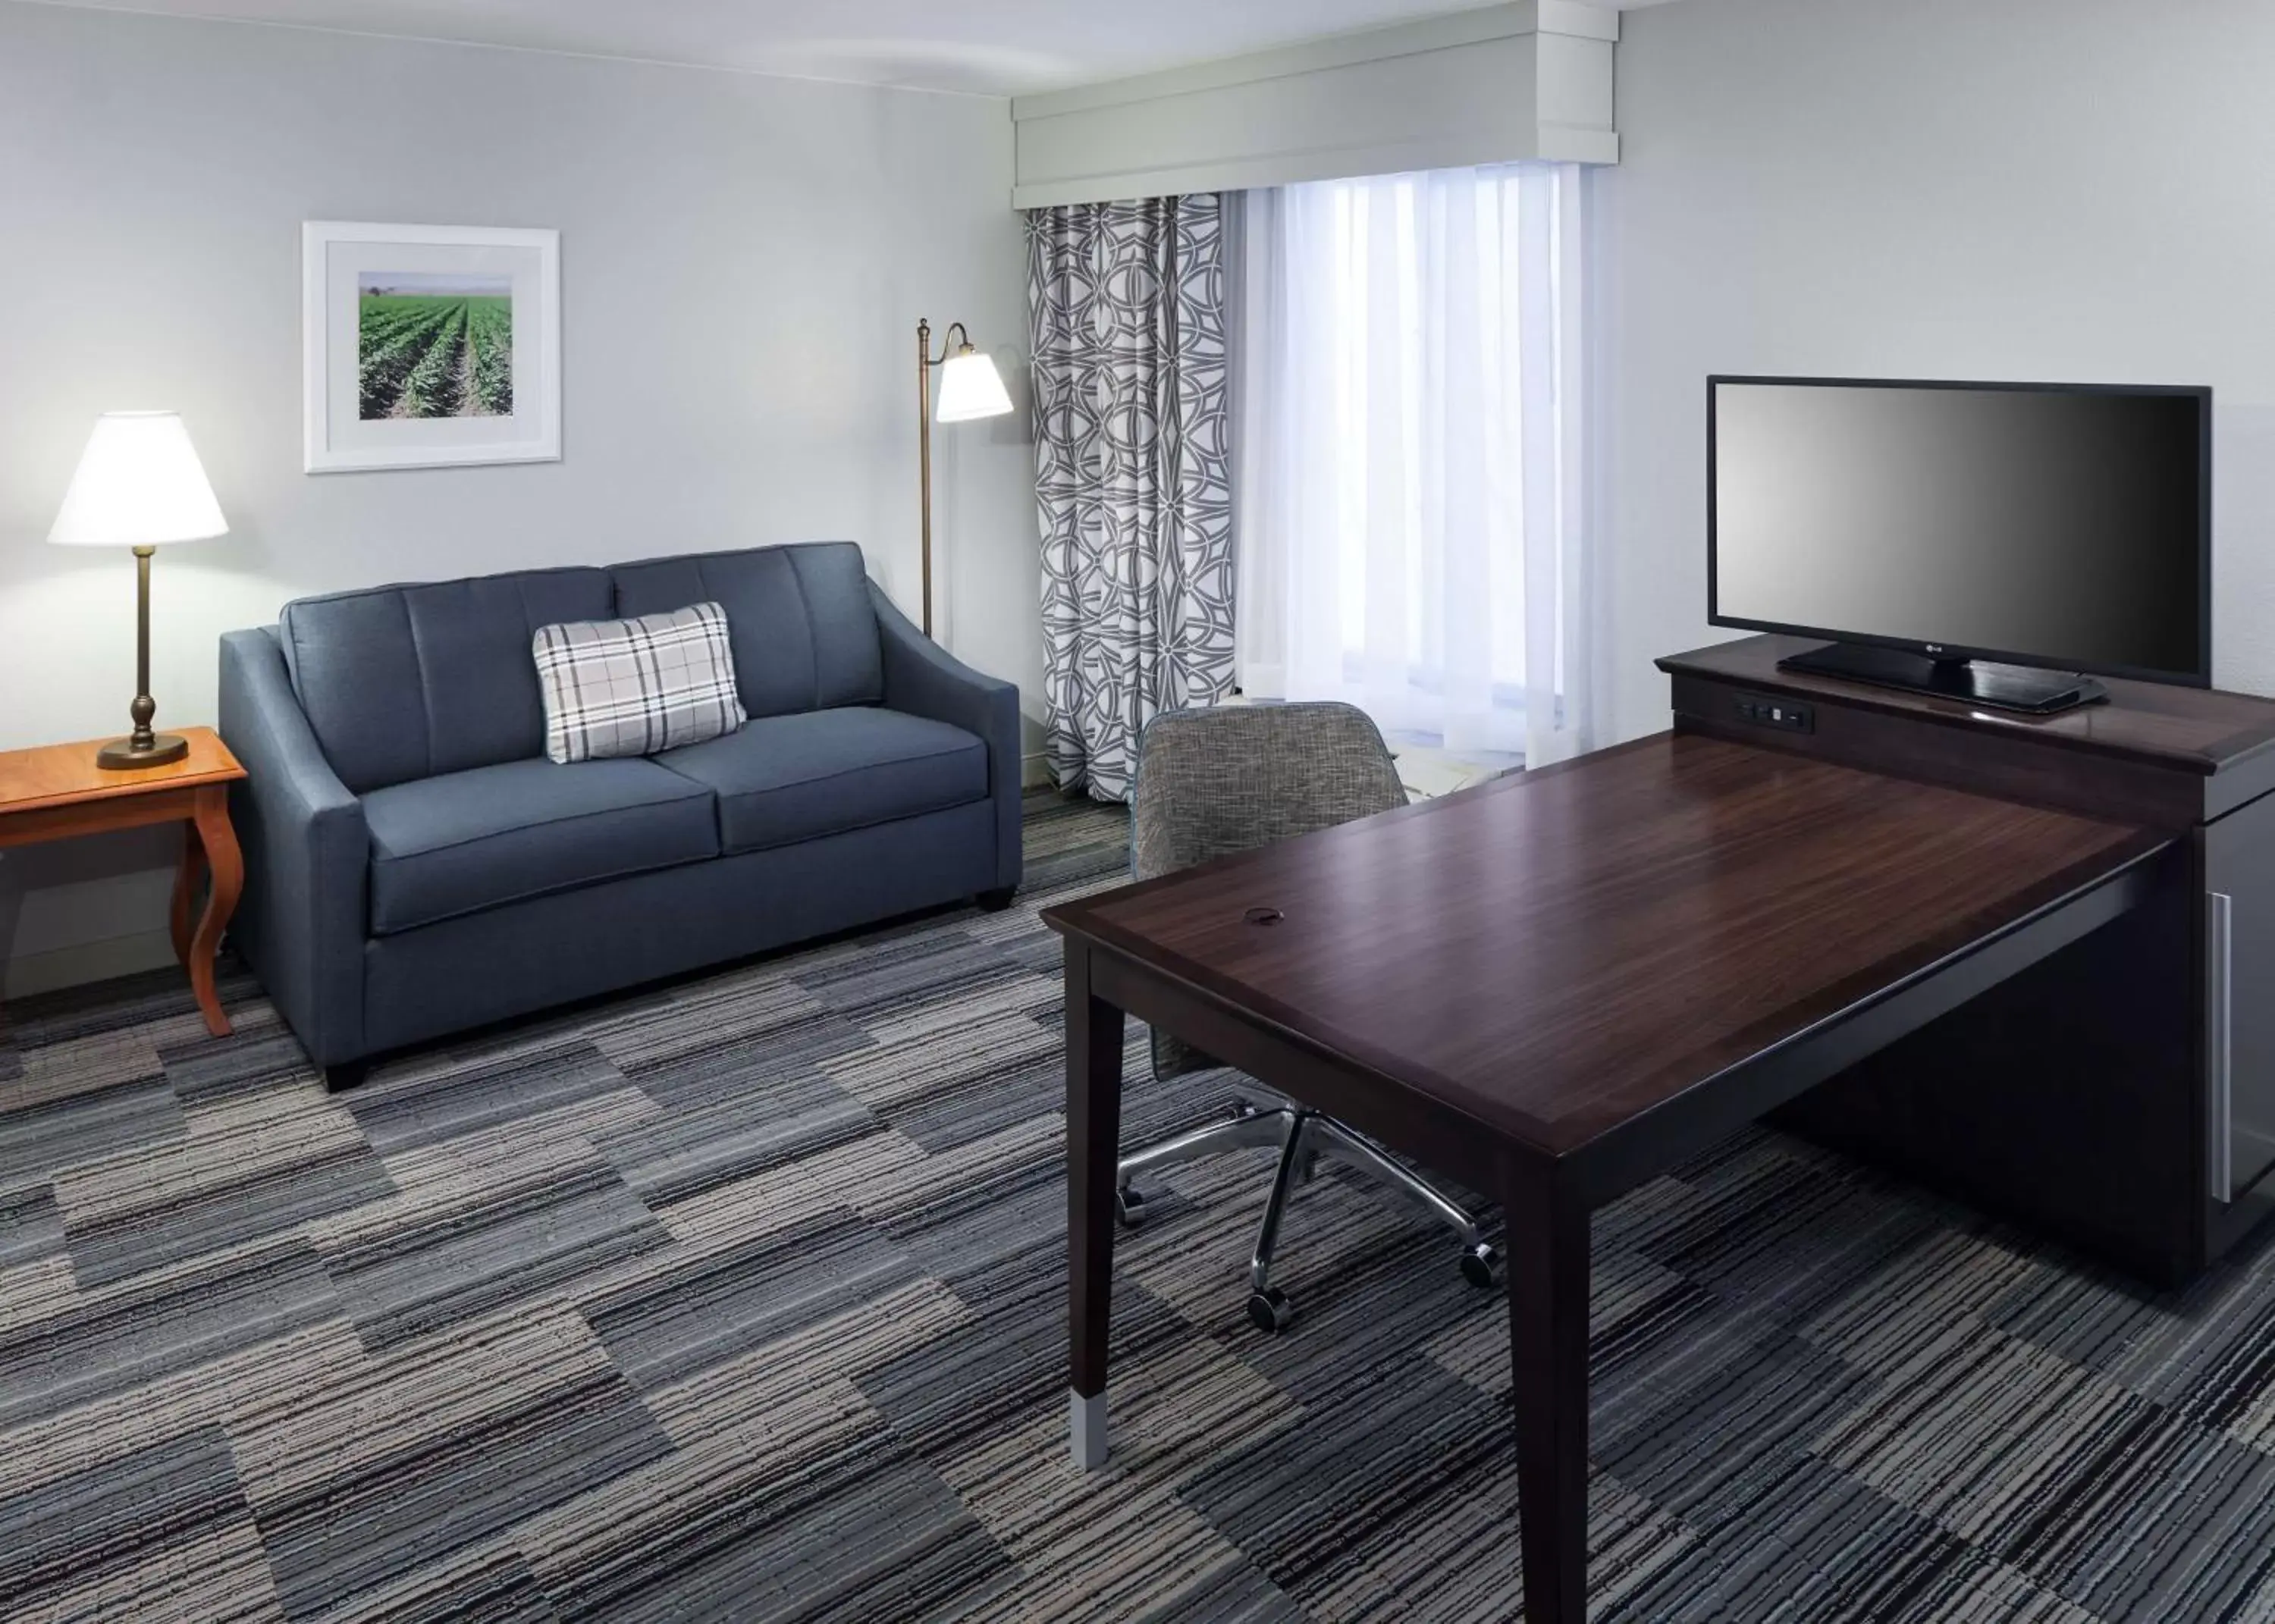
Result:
1992,542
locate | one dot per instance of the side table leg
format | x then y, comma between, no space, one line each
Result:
189,874
228,863
1547,1247
1094,1029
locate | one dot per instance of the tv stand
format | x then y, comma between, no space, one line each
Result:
2121,1093
1972,681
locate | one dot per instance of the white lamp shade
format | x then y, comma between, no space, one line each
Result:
970,388
138,483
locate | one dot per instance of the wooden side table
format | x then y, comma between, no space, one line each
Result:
56,791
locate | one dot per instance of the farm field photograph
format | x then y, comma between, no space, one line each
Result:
433,345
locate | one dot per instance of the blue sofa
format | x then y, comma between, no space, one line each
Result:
416,866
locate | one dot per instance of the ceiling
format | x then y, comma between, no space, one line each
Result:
988,47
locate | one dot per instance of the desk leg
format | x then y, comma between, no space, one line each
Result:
1093,1040
219,840
189,874
1547,1247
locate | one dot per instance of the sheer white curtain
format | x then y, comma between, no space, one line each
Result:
1409,473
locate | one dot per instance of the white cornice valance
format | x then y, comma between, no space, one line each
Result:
1530,80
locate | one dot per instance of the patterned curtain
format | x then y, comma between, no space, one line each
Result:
1132,473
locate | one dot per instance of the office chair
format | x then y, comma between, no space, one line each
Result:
1214,783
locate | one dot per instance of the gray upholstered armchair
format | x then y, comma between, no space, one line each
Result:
1211,783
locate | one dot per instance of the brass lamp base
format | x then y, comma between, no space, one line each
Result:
120,753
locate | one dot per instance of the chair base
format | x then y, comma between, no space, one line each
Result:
1303,1135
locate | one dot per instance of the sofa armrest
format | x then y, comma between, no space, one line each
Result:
306,854
924,679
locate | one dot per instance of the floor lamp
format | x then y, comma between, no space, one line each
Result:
968,387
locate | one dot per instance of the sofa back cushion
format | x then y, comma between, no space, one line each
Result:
805,634
407,682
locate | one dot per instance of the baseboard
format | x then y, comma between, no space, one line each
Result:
86,961
1035,772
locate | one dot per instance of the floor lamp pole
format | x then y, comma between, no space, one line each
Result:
923,456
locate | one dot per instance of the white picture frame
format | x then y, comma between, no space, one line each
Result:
461,408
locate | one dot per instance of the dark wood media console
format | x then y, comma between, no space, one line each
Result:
2120,1094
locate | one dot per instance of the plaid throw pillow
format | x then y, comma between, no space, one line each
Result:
633,687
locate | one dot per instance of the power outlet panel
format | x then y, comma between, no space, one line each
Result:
1761,710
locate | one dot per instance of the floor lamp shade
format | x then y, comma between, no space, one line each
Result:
138,485
970,387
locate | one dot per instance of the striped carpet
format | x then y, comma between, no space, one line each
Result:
742,1298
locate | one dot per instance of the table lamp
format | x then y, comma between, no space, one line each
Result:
968,387
138,485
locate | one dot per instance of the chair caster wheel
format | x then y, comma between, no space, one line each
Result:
1270,1312
1481,1267
1129,1207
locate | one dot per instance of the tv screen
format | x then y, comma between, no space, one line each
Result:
2056,525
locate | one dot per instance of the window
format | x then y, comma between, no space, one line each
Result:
1408,484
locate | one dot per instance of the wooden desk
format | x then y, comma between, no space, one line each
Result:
56,791
1559,985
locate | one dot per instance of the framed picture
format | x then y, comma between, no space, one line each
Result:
429,346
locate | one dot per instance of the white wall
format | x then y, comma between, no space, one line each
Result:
2060,189
744,261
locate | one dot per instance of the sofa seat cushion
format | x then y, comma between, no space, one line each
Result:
784,779
464,841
